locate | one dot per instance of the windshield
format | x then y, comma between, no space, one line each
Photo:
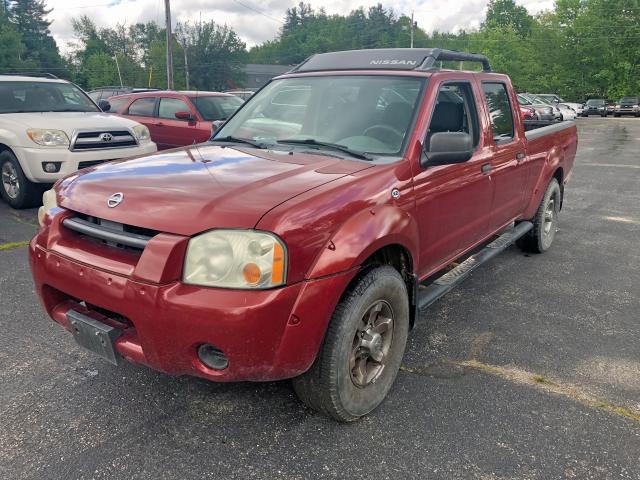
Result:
523,101
34,96
629,100
368,114
595,102
216,108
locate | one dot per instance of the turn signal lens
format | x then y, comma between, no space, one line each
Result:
277,271
251,273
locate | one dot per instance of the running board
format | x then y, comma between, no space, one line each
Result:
429,294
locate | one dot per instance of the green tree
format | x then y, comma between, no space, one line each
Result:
30,20
505,14
11,47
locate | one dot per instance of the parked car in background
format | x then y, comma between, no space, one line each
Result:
537,100
49,128
595,106
553,98
528,113
176,119
104,93
304,249
568,113
627,106
611,107
544,111
243,94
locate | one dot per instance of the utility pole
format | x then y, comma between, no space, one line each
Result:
167,16
186,64
413,26
118,67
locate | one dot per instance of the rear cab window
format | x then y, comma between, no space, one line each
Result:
143,107
500,111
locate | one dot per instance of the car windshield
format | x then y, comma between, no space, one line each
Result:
595,102
362,113
34,96
629,100
213,108
523,100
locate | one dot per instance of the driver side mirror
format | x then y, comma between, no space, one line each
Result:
184,115
104,105
215,126
447,148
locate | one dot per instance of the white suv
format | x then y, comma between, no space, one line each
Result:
50,128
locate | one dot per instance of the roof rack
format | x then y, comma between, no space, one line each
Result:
421,59
30,74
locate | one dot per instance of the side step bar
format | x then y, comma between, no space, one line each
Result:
431,293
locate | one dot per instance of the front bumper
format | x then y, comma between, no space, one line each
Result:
266,335
31,159
627,111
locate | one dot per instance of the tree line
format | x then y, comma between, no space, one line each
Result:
579,49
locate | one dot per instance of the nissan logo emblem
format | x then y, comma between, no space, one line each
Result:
115,200
106,137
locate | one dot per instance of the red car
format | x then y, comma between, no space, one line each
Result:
176,119
303,240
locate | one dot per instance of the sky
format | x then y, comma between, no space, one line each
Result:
256,21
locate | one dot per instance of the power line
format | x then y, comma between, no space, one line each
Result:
257,10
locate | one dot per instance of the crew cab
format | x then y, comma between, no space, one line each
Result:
304,239
50,128
176,119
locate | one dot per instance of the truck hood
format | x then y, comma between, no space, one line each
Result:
197,188
69,121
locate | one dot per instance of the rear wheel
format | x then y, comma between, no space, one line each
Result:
545,221
363,348
15,187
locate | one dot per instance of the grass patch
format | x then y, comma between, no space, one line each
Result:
10,245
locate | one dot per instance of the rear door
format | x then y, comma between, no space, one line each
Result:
508,168
453,201
174,132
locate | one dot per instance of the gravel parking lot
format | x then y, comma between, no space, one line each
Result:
531,369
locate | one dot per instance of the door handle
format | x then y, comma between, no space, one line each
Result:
486,168
520,156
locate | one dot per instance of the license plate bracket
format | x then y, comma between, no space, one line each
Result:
94,335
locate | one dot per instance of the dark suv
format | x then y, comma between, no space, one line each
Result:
595,106
627,106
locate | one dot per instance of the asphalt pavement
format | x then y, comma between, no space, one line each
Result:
528,370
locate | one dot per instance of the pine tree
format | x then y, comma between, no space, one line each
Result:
30,20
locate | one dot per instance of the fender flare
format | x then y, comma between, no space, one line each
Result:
554,160
363,234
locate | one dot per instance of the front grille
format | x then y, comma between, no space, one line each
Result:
114,234
102,139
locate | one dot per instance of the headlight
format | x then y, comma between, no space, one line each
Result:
48,138
235,259
617,107
48,202
141,133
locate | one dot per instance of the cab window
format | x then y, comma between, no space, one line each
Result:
500,111
455,111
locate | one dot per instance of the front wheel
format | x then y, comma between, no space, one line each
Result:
545,221
15,187
362,350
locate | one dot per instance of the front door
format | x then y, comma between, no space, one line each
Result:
175,132
453,202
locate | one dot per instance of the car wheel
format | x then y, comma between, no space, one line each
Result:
362,350
15,187
545,221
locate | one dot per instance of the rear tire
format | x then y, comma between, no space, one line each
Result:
15,187
545,221
362,350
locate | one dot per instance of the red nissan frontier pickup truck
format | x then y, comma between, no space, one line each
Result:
305,237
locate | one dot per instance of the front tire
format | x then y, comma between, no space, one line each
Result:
362,350
15,187
545,221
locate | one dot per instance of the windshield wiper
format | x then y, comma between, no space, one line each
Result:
232,139
335,146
